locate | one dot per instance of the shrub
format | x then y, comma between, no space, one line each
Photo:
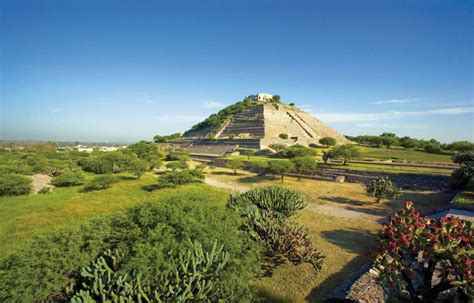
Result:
297,151
138,167
173,179
382,188
175,165
346,152
107,163
266,212
433,148
328,141
234,165
178,155
278,167
68,178
100,182
426,257
14,185
460,177
464,157
15,170
150,240
302,164
283,136
248,153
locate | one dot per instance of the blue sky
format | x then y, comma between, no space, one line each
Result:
125,71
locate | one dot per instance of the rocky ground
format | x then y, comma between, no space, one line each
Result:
40,181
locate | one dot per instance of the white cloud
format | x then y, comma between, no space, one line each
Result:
396,101
178,118
149,101
212,104
371,117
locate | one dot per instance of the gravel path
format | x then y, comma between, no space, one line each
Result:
39,181
332,210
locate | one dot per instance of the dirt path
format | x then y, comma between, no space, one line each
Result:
226,185
328,209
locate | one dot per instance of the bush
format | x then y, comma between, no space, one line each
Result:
328,141
346,152
68,178
44,190
234,165
173,179
175,165
107,163
460,177
303,164
433,148
178,155
14,185
382,188
15,170
283,136
266,212
297,151
150,240
100,182
278,167
436,255
464,157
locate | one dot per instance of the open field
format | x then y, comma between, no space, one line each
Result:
402,154
24,217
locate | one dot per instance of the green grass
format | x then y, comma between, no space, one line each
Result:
402,154
24,217
343,243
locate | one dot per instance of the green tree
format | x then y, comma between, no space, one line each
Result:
382,188
280,167
346,152
302,164
138,167
328,141
389,140
100,183
175,165
234,165
248,153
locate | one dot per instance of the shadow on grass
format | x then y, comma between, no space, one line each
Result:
345,239
318,293
225,173
256,179
265,295
151,187
341,200
126,178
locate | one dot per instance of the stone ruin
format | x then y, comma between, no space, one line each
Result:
263,123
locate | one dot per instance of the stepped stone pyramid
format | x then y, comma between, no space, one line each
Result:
263,121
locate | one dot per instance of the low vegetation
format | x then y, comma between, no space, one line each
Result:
14,185
69,178
100,183
383,188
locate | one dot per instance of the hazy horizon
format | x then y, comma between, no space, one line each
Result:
122,72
